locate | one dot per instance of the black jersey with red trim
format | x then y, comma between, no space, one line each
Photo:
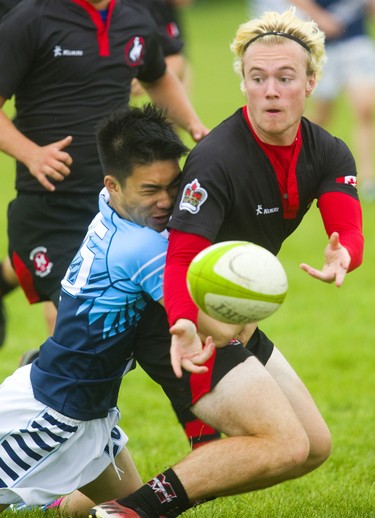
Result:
7,5
236,196
67,69
167,23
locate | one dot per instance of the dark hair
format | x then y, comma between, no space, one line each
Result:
136,136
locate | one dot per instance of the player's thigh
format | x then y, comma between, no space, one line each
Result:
248,401
301,401
108,485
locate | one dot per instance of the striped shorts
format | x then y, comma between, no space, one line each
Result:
44,454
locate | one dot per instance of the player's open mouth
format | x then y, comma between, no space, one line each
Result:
162,220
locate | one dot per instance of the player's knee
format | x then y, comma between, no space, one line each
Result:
295,449
320,448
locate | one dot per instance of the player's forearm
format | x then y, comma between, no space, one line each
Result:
13,142
168,92
329,23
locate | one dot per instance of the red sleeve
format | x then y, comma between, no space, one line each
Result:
342,213
182,248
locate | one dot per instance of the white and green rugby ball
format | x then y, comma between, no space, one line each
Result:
237,282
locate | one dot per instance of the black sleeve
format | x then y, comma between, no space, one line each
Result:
18,32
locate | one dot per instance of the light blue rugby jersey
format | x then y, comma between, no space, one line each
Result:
116,272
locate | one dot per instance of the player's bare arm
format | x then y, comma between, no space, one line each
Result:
323,17
45,163
168,92
337,261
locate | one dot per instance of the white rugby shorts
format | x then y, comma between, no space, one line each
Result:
44,454
349,63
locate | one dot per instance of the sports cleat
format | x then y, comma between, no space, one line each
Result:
113,509
3,322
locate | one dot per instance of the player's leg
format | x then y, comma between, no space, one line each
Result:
306,411
50,313
151,351
300,399
8,282
265,442
109,485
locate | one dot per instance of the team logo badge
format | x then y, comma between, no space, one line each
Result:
162,489
350,180
42,264
172,30
134,51
193,197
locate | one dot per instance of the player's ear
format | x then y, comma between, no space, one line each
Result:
111,183
311,83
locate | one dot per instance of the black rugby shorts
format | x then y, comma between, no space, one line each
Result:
44,233
152,345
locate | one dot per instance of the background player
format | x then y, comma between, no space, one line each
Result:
90,67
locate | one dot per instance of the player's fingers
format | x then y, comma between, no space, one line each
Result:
53,174
43,180
340,277
62,156
209,348
176,366
175,330
334,240
176,360
63,143
60,168
191,366
317,274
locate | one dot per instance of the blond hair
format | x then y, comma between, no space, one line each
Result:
304,32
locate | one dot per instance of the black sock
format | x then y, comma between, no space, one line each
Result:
164,495
5,287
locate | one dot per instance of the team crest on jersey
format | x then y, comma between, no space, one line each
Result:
172,30
193,197
349,179
42,264
134,51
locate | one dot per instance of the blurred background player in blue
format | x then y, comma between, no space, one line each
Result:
350,69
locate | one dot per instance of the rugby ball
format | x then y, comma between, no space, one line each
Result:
237,282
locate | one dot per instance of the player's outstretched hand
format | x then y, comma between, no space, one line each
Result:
187,351
336,264
51,162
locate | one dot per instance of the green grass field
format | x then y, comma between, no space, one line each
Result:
326,333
